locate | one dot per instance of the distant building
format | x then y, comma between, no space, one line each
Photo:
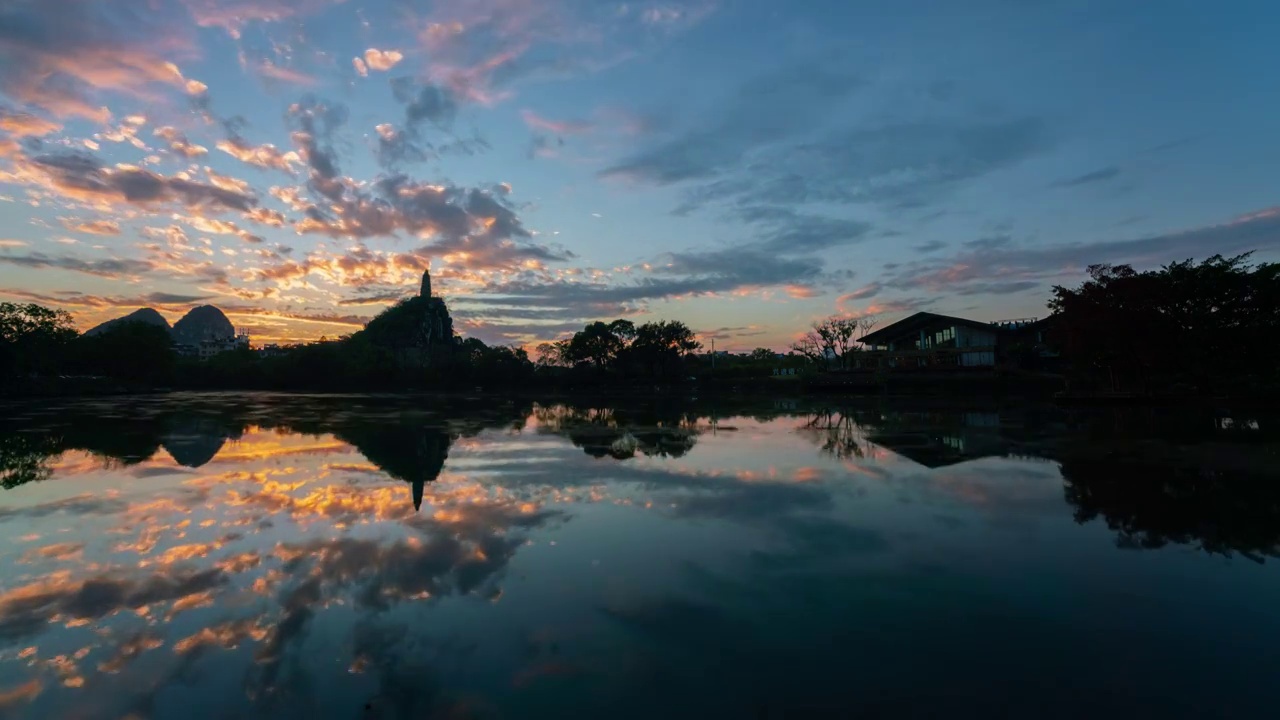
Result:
942,341
215,346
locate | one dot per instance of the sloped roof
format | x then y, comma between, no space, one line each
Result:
918,321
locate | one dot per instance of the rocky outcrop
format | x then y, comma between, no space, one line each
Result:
419,330
202,323
147,316
415,323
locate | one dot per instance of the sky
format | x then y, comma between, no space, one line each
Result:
746,167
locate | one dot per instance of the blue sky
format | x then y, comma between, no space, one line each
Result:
747,167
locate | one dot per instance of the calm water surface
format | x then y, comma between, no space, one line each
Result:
221,556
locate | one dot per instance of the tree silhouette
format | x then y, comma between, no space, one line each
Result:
660,347
834,340
1212,326
33,339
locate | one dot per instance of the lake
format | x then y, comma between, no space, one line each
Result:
286,556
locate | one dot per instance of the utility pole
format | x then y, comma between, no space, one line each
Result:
713,355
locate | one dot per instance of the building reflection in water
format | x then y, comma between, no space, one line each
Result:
1154,477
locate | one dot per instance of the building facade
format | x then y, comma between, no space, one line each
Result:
208,348
931,340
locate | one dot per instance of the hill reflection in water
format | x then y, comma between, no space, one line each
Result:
211,555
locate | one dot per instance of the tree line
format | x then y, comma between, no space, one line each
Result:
40,349
1211,327
37,342
1186,328
653,349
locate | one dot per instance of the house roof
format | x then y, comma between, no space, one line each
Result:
915,323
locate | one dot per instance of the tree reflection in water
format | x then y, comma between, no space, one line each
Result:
620,433
1150,500
403,440
836,433
1128,467
24,457
1150,504
1118,469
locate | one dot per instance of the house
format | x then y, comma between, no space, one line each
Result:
930,340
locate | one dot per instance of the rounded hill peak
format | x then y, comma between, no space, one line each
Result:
205,322
147,316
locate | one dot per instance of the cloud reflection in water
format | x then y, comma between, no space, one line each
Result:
292,556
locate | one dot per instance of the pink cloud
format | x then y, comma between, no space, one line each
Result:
20,124
233,15
272,71
94,227
884,307
61,55
479,45
559,127
862,293
801,291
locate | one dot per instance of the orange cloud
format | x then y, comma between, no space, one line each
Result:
93,227
129,649
265,156
178,142
382,60
20,124
20,695
226,182
58,551
806,474
77,176
862,293
227,635
266,216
